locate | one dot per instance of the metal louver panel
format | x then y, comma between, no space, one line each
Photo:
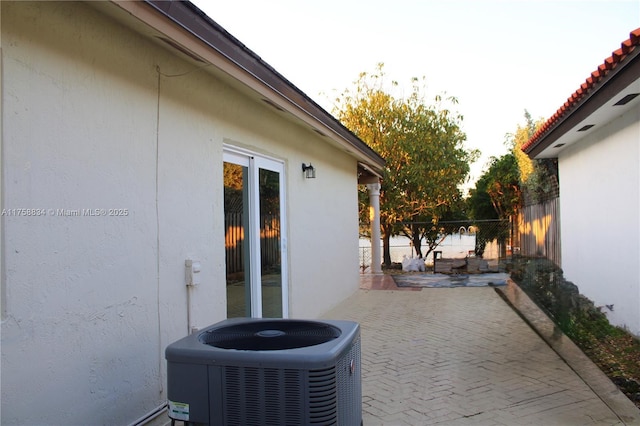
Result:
323,402
262,396
350,394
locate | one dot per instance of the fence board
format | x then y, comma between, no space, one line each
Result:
539,230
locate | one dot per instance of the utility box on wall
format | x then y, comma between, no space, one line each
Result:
249,371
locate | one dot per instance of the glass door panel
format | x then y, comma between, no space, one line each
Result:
236,245
255,236
270,253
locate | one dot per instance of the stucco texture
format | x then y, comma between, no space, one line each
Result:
97,118
600,206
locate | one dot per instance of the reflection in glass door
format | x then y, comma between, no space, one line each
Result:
236,250
255,247
270,253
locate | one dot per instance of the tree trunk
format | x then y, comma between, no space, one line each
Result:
416,240
386,246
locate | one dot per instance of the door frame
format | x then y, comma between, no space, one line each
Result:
254,162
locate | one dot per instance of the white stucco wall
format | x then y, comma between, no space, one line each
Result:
92,301
600,216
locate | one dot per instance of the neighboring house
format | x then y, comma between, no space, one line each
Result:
595,136
117,118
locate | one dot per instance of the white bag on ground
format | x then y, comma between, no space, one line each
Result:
412,265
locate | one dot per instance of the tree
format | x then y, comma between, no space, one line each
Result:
538,178
497,195
517,140
433,231
499,192
503,185
422,144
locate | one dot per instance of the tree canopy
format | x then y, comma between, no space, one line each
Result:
497,194
422,143
538,178
516,141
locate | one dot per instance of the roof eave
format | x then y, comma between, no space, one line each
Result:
195,32
616,73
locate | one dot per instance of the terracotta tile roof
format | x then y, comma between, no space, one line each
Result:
587,87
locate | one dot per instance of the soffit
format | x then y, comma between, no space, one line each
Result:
594,104
184,28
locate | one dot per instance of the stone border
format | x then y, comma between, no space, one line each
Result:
590,373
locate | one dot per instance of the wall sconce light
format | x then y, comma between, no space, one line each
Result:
309,171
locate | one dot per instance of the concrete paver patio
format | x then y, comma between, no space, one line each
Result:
463,356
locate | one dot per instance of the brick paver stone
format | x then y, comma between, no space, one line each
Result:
461,356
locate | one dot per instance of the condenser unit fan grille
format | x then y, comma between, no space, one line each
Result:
270,335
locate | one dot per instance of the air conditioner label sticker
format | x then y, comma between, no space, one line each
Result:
178,410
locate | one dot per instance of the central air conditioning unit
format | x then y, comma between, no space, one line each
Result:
252,371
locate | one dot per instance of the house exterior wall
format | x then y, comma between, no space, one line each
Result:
600,210
88,123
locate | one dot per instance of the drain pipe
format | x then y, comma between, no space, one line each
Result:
150,416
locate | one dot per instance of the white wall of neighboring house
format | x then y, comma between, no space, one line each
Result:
90,302
600,206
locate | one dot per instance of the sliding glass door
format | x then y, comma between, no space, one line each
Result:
255,237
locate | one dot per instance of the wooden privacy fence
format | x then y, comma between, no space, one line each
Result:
539,230
234,241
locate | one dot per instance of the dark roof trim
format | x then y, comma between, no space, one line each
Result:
196,22
617,72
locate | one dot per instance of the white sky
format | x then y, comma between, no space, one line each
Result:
497,57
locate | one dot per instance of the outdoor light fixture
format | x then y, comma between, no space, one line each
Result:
309,171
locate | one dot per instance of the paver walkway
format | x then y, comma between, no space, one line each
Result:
461,356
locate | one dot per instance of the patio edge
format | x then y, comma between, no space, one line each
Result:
590,373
